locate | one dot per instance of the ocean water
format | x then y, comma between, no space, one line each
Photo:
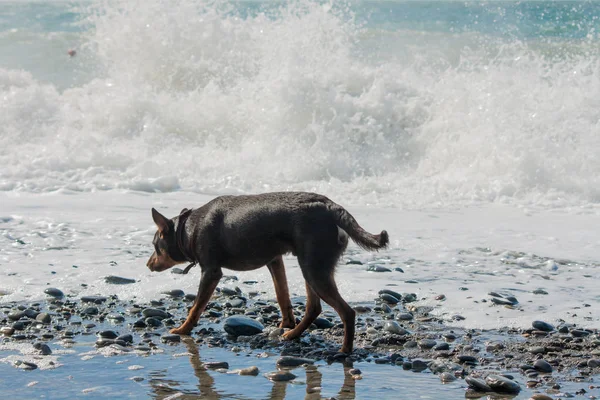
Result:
468,130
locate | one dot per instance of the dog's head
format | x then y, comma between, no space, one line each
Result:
165,244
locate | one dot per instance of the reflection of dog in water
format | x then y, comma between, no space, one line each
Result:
244,233
206,382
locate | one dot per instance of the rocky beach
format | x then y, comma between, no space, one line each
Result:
394,336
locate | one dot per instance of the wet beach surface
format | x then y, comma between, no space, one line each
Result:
100,346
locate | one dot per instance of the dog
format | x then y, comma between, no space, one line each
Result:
243,233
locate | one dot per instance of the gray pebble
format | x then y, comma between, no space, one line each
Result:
501,384
323,323
155,312
280,376
44,318
543,366
404,317
175,293
43,348
388,298
478,385
542,326
242,326
25,365
290,361
593,363
91,310
427,343
250,371
217,365
56,293
378,268
170,338
395,328
447,377
118,280
418,365
108,334
94,299
391,293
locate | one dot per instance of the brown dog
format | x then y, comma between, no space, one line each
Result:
244,233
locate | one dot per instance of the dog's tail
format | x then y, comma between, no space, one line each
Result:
364,239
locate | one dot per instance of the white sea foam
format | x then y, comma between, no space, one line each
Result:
191,96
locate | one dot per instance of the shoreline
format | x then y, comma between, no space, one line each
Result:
392,333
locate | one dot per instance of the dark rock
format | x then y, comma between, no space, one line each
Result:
543,366
289,361
118,280
56,293
542,326
175,293
153,321
579,333
44,318
217,365
391,293
155,313
127,338
94,299
242,326
478,385
91,310
108,334
280,376
25,365
16,315
442,347
388,298
418,365
404,317
427,344
170,338
43,348
378,268
323,323
501,384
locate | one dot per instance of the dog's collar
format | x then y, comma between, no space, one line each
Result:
179,239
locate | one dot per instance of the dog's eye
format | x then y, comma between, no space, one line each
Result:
156,249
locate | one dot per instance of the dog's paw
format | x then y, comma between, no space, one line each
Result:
180,331
290,335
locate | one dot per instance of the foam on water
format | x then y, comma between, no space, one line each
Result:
196,96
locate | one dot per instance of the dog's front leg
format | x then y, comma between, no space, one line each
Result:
208,283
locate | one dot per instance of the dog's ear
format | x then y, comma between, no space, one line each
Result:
183,211
161,222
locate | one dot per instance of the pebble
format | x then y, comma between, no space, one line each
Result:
43,348
479,385
391,293
118,280
7,330
540,396
44,318
388,298
280,376
323,323
427,343
447,377
395,328
217,365
155,313
502,384
542,326
289,361
250,371
94,299
91,310
543,366
593,363
418,365
242,326
116,318
175,293
378,268
108,334
54,292
25,365
170,338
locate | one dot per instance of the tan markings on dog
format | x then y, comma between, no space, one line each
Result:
161,262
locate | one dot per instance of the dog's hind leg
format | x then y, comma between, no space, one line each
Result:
327,290
277,270
313,309
208,283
